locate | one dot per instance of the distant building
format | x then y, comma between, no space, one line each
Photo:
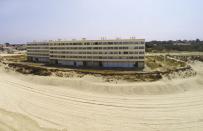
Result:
183,44
7,44
119,53
20,47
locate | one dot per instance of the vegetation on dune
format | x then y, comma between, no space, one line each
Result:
163,63
14,58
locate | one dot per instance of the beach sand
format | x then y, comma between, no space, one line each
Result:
39,103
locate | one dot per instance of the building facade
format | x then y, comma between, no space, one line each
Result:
38,52
119,53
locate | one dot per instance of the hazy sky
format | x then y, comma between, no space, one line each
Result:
26,20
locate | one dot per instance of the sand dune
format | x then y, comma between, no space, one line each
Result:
90,104
10,121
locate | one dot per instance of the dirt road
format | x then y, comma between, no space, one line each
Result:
88,104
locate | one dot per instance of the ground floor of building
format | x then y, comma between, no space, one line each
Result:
102,64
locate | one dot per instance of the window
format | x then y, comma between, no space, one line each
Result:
136,47
141,47
110,43
95,48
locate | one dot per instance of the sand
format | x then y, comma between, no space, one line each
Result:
38,103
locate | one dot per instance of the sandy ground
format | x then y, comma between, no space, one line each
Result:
36,103
9,54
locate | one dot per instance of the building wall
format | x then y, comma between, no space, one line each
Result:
68,63
43,59
106,53
38,59
119,64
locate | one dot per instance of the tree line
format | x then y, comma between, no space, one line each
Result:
178,45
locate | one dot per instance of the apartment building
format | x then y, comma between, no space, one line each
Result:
118,53
38,52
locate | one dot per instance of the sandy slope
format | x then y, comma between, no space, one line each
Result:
89,104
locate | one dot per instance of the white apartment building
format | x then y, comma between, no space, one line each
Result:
118,53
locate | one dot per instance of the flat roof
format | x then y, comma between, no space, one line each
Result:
75,41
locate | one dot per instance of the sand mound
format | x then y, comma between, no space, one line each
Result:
91,83
79,104
10,121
